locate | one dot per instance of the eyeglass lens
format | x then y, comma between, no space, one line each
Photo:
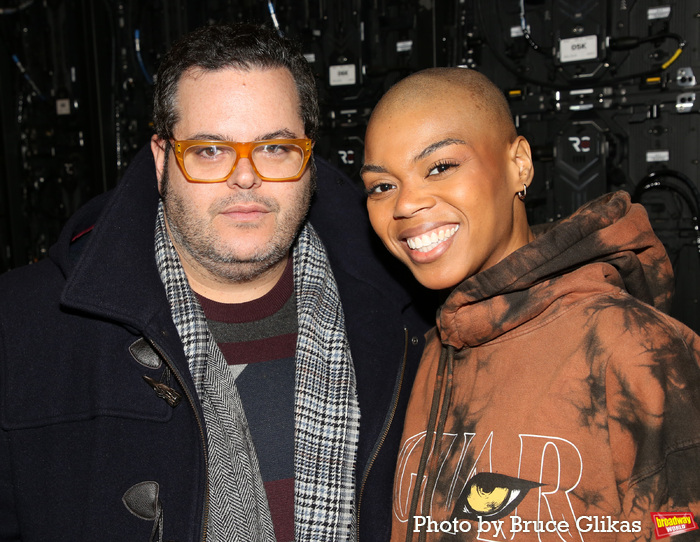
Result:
274,161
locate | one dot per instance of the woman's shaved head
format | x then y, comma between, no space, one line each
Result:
451,85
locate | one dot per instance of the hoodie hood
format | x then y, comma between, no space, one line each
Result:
607,243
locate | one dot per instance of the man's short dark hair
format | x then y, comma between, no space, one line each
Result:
240,46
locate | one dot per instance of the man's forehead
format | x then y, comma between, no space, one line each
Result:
197,73
277,81
238,97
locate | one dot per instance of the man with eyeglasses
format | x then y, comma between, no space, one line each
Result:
182,367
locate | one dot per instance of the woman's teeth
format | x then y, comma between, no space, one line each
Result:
428,241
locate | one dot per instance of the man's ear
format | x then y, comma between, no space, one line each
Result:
521,155
158,150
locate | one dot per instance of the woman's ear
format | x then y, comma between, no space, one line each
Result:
522,157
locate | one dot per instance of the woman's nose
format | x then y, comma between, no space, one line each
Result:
412,199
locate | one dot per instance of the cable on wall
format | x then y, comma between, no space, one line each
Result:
139,56
273,16
10,11
26,76
526,32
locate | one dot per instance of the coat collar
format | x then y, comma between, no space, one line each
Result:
116,275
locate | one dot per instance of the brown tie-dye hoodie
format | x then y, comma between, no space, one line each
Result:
555,390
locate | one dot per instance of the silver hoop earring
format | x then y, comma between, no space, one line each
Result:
523,192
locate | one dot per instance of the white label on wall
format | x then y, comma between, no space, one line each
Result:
342,75
663,12
575,49
658,156
63,106
404,46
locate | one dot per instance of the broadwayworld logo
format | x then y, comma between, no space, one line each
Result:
668,524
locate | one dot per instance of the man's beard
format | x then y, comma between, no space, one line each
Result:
194,234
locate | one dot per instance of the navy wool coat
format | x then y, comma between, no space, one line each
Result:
79,424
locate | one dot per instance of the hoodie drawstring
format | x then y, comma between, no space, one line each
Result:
441,405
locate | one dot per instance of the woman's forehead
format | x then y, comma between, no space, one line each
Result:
426,122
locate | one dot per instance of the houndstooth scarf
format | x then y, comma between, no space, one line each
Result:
326,411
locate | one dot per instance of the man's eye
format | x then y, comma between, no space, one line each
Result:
210,151
274,149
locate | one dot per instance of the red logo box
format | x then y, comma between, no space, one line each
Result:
670,524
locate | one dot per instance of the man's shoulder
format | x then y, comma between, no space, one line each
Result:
338,206
339,216
35,277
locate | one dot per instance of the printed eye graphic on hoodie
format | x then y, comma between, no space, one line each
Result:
491,496
537,477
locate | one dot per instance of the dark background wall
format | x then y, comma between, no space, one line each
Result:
597,87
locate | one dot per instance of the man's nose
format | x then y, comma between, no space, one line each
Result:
243,175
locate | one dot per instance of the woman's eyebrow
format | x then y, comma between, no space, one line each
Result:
371,168
437,145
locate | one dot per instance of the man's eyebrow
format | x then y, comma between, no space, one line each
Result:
284,133
279,134
371,168
437,145
201,136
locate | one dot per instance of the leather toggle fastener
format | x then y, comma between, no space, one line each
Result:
146,355
142,501
164,391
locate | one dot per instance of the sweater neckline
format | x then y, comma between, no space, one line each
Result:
255,309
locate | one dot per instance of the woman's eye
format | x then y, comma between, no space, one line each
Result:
441,167
378,188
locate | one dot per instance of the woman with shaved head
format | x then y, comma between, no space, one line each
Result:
555,399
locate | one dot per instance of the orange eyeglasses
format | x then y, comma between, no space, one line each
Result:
214,161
